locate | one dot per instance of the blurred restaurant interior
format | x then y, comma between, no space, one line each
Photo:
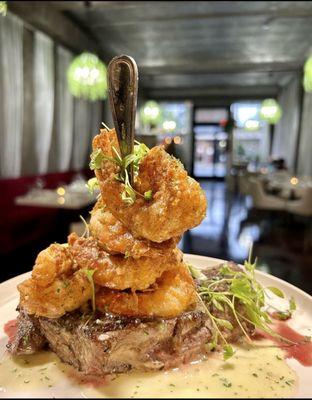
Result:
225,86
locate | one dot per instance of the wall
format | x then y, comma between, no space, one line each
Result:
286,131
305,145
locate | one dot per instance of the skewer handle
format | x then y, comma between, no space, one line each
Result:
123,95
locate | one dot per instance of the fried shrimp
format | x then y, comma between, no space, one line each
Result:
175,292
178,203
115,238
54,300
116,271
55,261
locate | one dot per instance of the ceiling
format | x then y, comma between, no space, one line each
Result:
199,49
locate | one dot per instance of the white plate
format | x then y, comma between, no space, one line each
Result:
301,321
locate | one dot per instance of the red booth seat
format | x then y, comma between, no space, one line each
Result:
20,225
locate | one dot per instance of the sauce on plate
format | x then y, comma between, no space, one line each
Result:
10,329
301,350
254,371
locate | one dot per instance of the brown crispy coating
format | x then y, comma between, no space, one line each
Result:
174,293
115,238
117,271
52,262
53,301
178,201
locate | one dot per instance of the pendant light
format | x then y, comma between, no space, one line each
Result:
87,77
270,111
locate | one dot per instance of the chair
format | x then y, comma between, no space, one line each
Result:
244,185
263,201
303,206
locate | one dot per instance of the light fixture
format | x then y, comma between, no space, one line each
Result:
177,140
252,125
294,180
307,77
60,191
87,76
61,200
169,125
150,113
270,111
3,8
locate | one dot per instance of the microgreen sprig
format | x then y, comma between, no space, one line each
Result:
86,232
92,185
239,292
129,194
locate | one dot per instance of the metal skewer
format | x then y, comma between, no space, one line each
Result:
123,94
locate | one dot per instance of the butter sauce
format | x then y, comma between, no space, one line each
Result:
259,371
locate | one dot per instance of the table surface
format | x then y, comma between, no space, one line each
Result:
70,199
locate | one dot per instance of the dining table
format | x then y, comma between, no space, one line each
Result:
286,185
70,197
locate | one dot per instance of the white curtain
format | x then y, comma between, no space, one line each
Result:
82,133
44,98
305,146
286,131
11,94
97,109
64,109
96,121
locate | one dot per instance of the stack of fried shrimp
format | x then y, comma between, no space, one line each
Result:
137,270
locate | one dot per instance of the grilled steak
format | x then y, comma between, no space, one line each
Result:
29,338
106,343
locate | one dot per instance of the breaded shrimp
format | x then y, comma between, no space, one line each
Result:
175,292
118,272
115,238
178,202
54,261
54,300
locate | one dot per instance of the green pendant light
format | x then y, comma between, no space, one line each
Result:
87,77
151,113
3,8
307,78
270,111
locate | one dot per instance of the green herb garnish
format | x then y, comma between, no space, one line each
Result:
97,157
128,194
226,383
292,305
86,232
92,185
239,292
276,291
65,283
25,340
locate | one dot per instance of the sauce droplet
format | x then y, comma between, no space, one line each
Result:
301,350
10,329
